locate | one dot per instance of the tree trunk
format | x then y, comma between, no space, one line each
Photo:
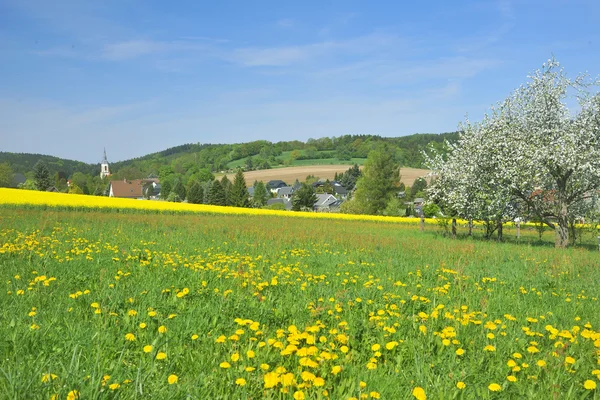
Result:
453,228
518,229
470,227
422,223
562,228
499,231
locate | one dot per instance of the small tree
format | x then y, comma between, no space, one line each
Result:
179,189
216,195
260,195
74,189
165,189
174,197
195,194
41,176
238,196
6,175
226,186
379,182
304,198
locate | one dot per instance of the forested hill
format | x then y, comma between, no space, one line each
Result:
24,162
258,154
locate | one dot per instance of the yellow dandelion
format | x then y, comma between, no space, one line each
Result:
419,393
240,382
173,379
494,387
589,384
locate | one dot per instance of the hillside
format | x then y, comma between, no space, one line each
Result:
290,174
190,162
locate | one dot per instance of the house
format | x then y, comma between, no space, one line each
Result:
132,189
340,190
418,206
333,207
275,184
286,203
251,191
324,200
284,192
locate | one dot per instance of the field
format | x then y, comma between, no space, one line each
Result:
290,174
102,304
286,156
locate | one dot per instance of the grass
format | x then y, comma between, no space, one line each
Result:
286,156
349,302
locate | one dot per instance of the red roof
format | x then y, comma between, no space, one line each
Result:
127,189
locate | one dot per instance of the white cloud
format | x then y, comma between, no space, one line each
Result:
285,23
289,55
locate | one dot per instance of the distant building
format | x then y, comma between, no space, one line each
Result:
286,203
104,171
275,184
127,189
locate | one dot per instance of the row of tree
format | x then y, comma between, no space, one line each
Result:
530,158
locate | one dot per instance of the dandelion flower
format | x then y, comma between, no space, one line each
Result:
225,365
240,381
162,329
511,378
161,356
48,377
148,348
130,337
299,395
494,387
319,382
114,386
589,384
173,379
461,385
419,393
460,352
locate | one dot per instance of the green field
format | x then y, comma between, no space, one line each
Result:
285,156
110,305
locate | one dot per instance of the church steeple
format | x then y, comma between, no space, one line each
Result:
104,171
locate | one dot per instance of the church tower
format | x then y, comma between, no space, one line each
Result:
104,171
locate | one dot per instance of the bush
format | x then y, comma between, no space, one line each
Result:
431,210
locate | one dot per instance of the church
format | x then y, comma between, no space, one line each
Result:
104,171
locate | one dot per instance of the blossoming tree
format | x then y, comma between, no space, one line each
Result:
529,151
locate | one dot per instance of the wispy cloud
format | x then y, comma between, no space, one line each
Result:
289,55
285,23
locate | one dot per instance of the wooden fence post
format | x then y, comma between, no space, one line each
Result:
453,228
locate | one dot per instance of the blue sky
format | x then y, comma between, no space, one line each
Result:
138,76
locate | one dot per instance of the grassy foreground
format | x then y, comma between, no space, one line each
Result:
198,306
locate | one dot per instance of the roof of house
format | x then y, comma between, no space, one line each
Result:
285,191
324,199
276,183
419,200
339,189
287,203
126,188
